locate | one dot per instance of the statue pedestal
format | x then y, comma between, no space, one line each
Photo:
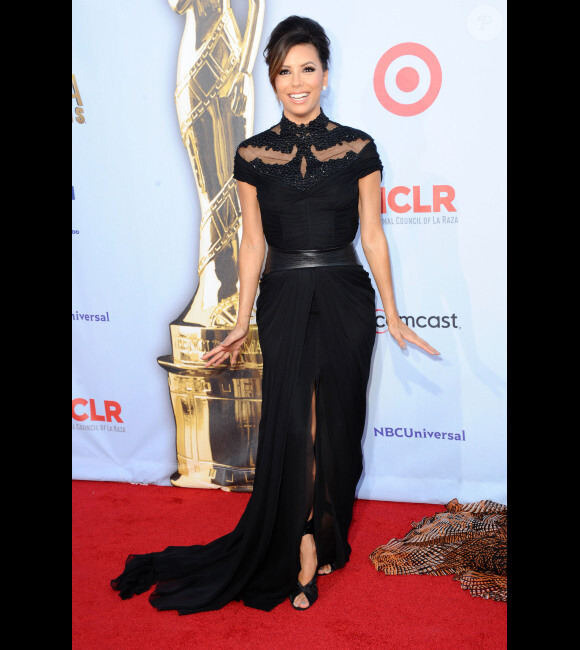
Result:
217,410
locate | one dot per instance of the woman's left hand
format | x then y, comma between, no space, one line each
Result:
402,332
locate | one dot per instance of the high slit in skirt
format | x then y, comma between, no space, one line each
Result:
317,330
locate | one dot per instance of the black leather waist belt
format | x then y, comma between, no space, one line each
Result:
280,260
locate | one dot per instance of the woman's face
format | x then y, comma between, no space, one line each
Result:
299,83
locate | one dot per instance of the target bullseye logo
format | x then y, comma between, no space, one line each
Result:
407,79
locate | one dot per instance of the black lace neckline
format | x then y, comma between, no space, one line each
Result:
302,155
288,127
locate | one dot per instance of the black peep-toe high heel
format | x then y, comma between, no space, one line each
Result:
310,590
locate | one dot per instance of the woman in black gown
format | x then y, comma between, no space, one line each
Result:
304,186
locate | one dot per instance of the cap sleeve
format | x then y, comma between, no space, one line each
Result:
369,160
243,170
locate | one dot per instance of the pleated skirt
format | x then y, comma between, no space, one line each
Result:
317,331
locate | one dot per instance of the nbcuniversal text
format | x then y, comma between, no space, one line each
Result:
408,432
91,317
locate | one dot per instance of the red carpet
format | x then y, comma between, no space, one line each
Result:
357,607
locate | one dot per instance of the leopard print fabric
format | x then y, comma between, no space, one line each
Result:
467,540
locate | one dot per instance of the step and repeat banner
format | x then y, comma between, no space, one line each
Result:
162,92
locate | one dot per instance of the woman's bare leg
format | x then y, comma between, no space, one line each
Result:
308,559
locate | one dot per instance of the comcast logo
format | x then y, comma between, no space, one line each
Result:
434,322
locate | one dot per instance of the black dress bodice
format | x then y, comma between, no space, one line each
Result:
306,177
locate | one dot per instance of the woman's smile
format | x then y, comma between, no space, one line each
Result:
299,98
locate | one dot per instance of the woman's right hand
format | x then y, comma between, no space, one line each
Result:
229,348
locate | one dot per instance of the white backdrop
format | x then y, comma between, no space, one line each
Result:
135,232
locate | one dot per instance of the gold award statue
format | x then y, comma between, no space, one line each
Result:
217,410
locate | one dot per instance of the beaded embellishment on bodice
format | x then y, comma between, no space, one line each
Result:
302,155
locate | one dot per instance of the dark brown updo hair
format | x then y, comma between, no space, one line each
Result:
294,30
